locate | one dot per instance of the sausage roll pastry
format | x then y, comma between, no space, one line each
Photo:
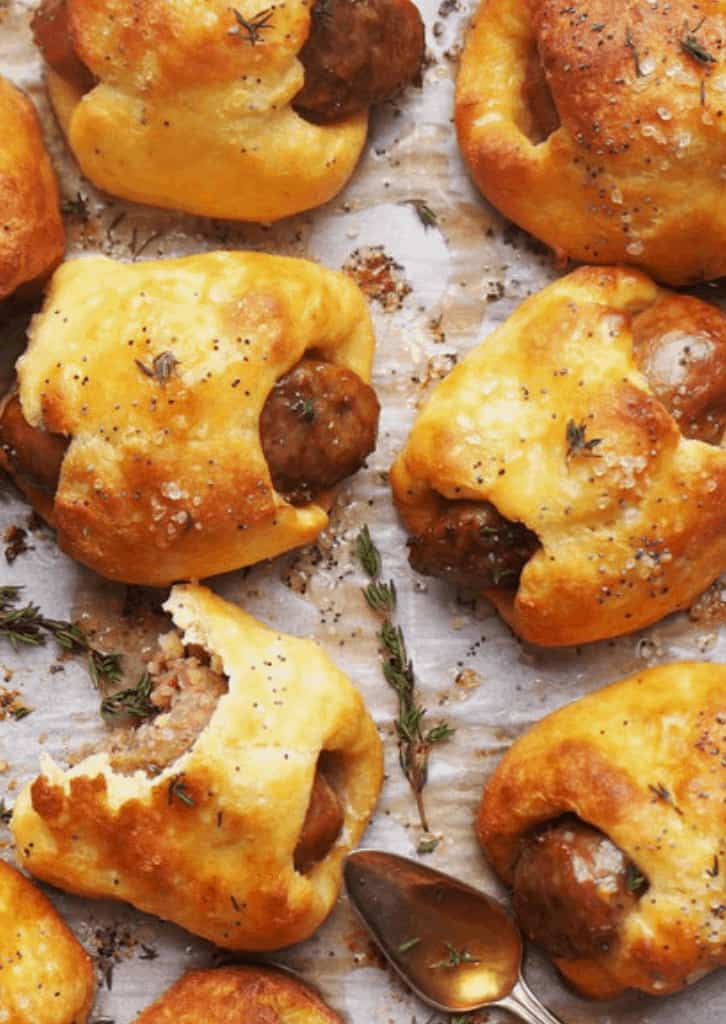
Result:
31,231
570,467
599,128
608,820
230,808
238,995
46,977
181,418
250,112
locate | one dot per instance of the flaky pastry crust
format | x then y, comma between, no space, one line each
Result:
631,166
629,531
189,113
219,860
238,995
31,231
46,977
165,478
644,761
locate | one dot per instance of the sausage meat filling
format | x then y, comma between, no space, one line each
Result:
317,427
471,545
52,34
572,889
359,52
34,456
185,687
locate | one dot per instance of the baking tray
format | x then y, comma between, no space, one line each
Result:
436,289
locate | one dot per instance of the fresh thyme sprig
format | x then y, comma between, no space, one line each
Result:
423,211
414,742
26,625
134,701
577,443
254,26
694,48
178,789
455,958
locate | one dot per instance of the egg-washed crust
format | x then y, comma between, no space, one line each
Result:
219,860
630,530
238,995
644,761
46,977
31,231
190,114
635,171
166,479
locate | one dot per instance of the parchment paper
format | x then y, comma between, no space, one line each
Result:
456,281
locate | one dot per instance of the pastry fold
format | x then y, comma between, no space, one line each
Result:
598,127
157,372
209,842
31,238
46,977
632,527
644,761
192,111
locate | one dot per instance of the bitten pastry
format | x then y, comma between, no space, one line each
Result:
228,811
31,231
570,467
238,995
599,128
46,977
608,819
251,112
180,418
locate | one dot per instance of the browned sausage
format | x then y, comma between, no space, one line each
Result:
323,822
471,545
572,889
34,456
52,34
679,344
317,426
358,52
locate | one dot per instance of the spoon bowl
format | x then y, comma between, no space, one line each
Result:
456,947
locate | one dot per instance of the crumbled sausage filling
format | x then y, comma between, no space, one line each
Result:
185,689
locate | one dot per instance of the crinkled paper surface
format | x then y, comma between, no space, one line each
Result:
457,280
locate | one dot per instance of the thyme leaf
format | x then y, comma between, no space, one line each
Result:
577,444
427,844
134,701
455,958
178,789
77,207
414,745
408,944
635,881
630,43
162,367
691,46
423,211
254,26
27,626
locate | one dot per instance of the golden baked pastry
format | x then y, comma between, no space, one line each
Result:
210,107
180,418
46,977
569,468
598,127
608,818
231,810
31,239
238,995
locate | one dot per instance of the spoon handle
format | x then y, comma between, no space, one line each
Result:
522,1002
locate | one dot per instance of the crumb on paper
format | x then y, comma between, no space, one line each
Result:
468,680
11,705
15,539
378,276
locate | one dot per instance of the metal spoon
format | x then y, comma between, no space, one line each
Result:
454,946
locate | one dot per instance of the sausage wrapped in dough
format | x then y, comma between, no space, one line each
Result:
180,418
608,819
230,810
571,466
